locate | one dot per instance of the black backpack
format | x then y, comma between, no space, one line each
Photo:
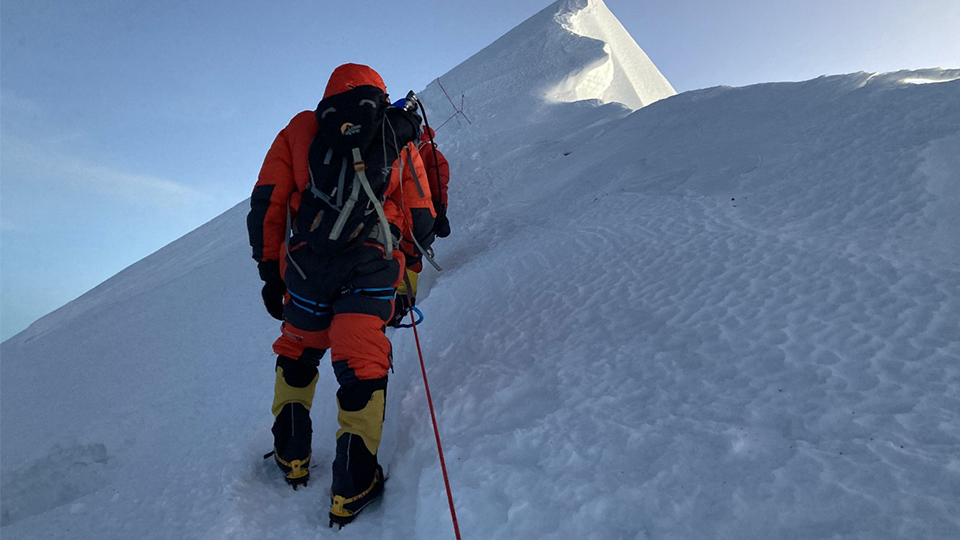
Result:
359,138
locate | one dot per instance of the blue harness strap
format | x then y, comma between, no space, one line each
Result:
314,308
371,292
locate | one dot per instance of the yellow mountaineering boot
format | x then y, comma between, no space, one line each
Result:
343,510
357,477
296,382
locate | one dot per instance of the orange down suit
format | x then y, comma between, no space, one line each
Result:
438,169
333,307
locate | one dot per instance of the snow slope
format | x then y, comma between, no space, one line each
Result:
730,314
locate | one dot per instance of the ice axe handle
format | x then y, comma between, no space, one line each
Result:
411,102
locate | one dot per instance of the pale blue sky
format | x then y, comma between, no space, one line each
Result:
124,124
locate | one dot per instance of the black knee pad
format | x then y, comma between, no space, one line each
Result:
355,397
298,373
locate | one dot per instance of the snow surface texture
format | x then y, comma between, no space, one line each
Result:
731,314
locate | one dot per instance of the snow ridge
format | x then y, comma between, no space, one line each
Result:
624,74
572,50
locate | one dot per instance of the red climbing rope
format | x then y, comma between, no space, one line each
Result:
436,431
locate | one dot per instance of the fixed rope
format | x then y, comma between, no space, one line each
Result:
436,431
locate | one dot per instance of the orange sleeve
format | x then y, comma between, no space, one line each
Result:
267,220
438,171
444,178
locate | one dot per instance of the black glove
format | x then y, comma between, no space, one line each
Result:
273,288
441,226
401,306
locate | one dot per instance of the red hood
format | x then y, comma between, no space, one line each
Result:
350,76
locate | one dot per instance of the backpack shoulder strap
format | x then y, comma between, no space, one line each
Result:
413,171
361,170
286,242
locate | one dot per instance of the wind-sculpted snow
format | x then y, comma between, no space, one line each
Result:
731,314
624,74
572,50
